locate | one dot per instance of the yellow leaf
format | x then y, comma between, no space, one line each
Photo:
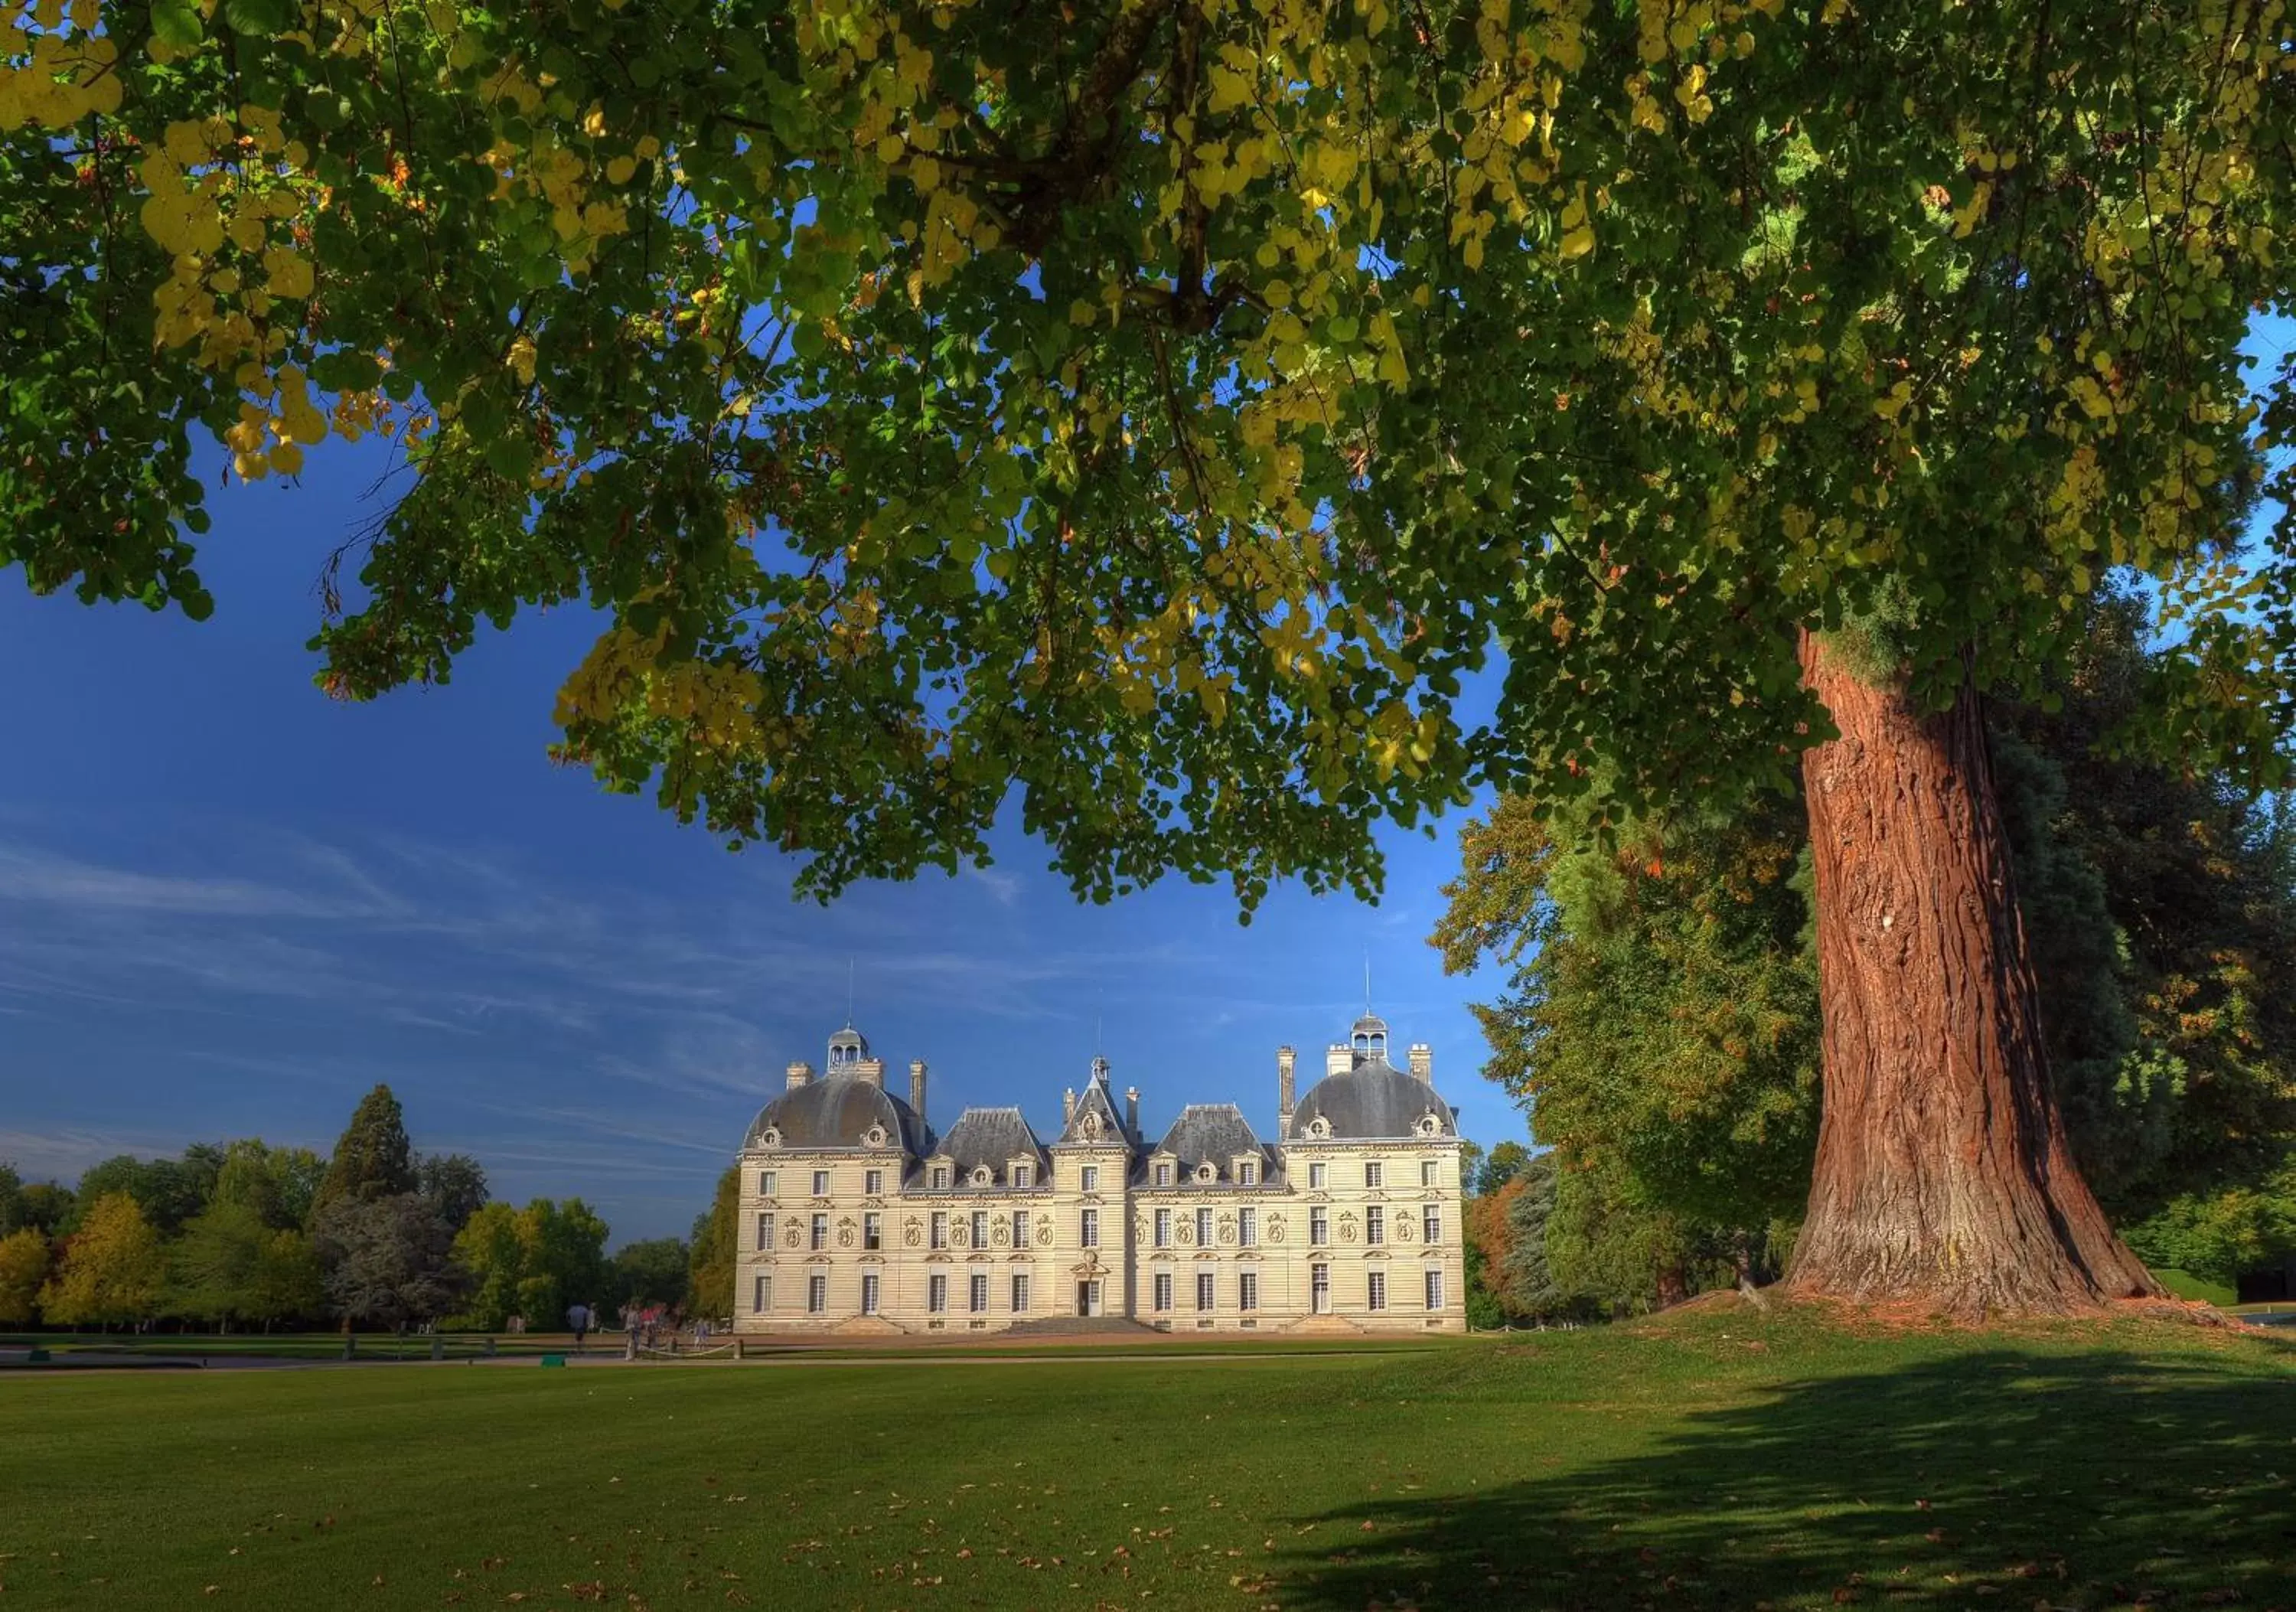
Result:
1579,242
619,171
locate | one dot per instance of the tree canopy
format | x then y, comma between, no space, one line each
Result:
1158,410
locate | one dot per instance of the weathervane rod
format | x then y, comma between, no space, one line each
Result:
848,991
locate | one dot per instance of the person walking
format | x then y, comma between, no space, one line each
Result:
578,1317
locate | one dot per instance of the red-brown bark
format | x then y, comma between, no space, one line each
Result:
1943,1174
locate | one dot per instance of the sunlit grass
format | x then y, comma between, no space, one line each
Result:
1716,1460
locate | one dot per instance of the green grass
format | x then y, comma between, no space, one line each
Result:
2184,1285
1717,1461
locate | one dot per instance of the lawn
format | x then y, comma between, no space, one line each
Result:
1719,1460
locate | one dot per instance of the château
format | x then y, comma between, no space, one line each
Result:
858,1217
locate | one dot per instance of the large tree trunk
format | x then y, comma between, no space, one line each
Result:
1943,1175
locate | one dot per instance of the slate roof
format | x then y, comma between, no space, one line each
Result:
1213,1133
994,1137
837,1111
1096,1098
1374,1100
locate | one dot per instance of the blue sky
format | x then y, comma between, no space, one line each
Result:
228,905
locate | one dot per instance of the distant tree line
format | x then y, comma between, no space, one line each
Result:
246,1235
1660,1022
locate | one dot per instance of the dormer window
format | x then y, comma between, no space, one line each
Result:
1247,1173
980,1175
1023,1176
940,1178
1430,1126
1163,1175
875,1136
1319,1127
771,1138
1205,1172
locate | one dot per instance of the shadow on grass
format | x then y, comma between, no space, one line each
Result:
2004,1478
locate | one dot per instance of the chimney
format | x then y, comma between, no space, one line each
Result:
1068,1107
1132,1109
1423,1061
1338,1059
872,1070
917,1087
1284,1059
800,1072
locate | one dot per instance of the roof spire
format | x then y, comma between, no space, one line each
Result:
1366,981
848,989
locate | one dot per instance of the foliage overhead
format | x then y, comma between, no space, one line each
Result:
1156,410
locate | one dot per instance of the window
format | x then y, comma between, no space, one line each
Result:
1434,1289
869,1293
1376,1290
940,1229
817,1295
872,1183
1431,1224
821,1183
761,1297
980,1293
1163,1175
765,1232
764,1183
1319,1288
820,1232
1318,1177
980,1228
1427,1172
936,1294
1203,1228
1374,1223
1372,1174
1024,1175
1163,1228
1319,1228
1090,1234
1247,1175
940,1178
1247,1290
1019,1228
1091,1178
1247,1228
1020,1296
872,1231
1164,1290
1203,1290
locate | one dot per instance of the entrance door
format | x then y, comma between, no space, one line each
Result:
1088,1298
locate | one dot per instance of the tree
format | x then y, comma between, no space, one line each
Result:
278,1183
374,1160
1501,1165
215,1268
12,1187
1154,413
23,1269
455,1185
110,1269
490,1248
288,1281
717,1238
1662,1021
652,1272
45,1206
388,1261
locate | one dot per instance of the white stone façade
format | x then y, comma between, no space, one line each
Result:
858,1217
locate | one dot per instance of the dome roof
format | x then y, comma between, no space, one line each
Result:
838,1111
1373,1100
